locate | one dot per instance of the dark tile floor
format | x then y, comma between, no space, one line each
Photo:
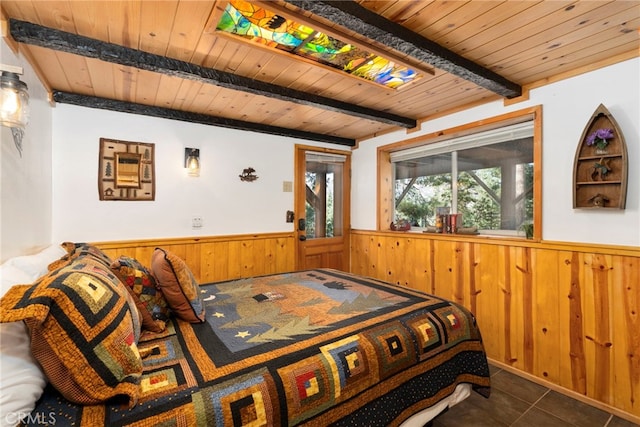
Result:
518,402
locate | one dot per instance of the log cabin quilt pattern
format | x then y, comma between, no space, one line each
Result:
314,347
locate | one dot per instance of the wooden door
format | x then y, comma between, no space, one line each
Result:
322,207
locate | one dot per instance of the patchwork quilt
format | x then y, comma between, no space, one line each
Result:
314,347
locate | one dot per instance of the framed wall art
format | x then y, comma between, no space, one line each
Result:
127,170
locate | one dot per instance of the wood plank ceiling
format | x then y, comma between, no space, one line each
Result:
167,59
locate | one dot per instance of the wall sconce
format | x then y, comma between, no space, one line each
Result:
14,103
192,161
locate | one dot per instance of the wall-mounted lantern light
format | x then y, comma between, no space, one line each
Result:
14,103
192,161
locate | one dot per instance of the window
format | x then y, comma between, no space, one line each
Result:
488,176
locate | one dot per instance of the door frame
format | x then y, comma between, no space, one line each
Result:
300,200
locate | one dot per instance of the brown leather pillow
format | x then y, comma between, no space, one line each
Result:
179,287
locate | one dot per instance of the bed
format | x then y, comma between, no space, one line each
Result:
316,347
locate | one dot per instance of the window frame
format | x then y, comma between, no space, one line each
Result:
385,183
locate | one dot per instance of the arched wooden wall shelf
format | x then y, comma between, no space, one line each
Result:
600,174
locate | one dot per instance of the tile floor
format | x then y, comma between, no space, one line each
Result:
518,402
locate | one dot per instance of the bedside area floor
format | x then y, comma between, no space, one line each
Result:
518,402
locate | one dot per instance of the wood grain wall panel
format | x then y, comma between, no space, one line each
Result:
359,246
570,340
547,326
443,270
493,299
626,320
214,259
526,278
515,329
576,326
424,269
566,315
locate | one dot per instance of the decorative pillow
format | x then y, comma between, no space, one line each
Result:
79,250
85,249
22,378
36,265
149,300
83,331
178,286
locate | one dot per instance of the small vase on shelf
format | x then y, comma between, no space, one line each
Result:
600,140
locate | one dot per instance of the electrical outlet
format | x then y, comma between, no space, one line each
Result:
196,222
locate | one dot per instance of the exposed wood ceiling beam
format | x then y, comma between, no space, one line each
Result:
38,35
167,113
351,15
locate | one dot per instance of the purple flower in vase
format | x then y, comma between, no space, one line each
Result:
600,138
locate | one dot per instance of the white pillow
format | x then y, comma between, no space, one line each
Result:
36,265
22,379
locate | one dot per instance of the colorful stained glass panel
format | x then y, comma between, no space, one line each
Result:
260,25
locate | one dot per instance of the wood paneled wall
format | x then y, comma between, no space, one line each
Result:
213,259
567,315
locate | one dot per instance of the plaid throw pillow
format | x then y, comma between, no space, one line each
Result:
142,286
84,329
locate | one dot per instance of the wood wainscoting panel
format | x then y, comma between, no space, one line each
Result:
625,316
218,258
566,314
549,317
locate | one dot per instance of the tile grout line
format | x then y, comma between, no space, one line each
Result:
548,390
530,407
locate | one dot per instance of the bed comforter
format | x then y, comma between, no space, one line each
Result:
314,347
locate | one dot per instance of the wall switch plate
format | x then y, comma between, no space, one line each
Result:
287,186
196,222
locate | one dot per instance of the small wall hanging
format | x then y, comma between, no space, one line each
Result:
127,170
600,165
248,175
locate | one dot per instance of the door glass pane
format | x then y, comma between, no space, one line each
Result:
323,178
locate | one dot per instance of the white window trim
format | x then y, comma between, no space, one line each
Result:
494,136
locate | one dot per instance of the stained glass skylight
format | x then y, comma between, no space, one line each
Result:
260,25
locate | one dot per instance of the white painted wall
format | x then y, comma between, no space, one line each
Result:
25,182
567,106
226,204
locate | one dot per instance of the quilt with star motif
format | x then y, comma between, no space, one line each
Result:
317,347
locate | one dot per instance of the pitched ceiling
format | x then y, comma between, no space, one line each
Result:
167,59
